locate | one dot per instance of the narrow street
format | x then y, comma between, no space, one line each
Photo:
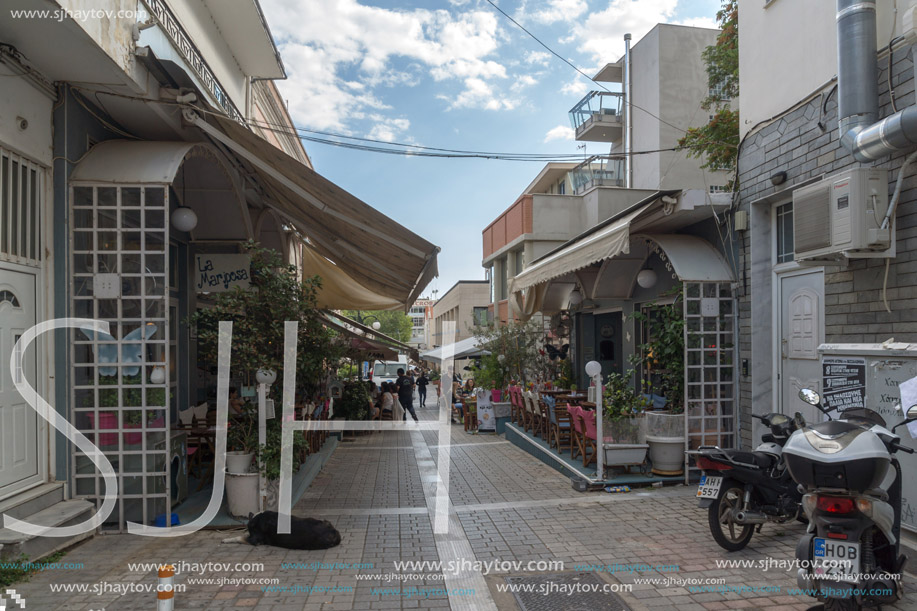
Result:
505,506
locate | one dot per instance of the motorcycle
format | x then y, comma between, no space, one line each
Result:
850,552
743,490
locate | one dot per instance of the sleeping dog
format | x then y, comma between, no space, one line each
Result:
305,533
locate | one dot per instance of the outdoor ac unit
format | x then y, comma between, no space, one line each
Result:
840,217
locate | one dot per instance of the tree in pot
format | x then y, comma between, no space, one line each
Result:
242,440
270,455
622,419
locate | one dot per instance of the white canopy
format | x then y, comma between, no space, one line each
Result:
462,349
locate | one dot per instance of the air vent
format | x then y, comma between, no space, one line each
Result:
811,218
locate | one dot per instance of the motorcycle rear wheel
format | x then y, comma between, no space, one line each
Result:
730,536
841,604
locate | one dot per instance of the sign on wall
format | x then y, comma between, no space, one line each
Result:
220,273
844,382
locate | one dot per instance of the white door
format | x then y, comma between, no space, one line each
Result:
18,422
800,303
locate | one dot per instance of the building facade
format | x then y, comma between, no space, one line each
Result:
419,314
138,154
465,304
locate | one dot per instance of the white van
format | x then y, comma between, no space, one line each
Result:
387,371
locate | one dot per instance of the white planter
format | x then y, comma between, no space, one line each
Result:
239,462
667,454
242,493
625,453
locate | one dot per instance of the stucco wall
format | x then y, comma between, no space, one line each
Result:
20,99
790,48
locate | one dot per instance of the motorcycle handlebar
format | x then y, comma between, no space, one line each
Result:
895,446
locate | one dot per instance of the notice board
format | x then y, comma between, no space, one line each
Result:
884,366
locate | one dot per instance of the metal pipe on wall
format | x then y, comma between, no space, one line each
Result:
628,121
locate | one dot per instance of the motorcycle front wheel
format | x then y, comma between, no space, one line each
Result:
729,535
841,604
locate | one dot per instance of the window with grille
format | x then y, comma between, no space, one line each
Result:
21,184
784,233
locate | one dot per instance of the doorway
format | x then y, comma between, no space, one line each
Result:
800,326
608,336
19,430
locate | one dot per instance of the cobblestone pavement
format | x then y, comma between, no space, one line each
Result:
503,505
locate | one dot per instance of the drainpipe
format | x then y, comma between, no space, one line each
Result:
628,123
857,89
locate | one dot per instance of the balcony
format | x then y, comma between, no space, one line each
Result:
598,117
598,171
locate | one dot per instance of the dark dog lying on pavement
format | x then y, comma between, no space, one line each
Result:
305,533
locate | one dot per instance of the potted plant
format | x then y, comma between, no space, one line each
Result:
623,410
241,480
662,357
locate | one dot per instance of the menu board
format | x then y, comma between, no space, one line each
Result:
844,382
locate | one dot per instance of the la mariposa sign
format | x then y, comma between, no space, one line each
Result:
220,273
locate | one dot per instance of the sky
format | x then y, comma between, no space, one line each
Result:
452,74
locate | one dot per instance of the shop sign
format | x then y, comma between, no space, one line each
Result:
220,273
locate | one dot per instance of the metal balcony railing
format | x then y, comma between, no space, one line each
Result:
598,171
597,106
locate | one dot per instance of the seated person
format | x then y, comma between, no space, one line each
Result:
236,405
458,403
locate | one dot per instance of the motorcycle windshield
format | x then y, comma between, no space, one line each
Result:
862,415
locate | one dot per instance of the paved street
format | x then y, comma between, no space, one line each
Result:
503,506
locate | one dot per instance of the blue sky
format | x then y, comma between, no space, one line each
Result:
451,74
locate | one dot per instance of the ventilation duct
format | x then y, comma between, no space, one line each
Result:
857,89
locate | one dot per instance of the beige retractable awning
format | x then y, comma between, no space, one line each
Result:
339,291
375,251
364,334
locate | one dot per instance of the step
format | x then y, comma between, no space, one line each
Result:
65,513
33,500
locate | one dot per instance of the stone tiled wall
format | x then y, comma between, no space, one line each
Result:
795,142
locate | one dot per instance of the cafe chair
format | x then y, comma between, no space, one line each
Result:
576,422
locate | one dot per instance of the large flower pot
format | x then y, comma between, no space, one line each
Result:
667,454
239,462
622,454
242,493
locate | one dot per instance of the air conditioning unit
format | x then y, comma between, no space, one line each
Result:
839,218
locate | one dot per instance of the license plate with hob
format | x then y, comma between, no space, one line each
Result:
835,560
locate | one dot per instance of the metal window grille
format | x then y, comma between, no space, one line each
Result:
21,185
119,236
710,365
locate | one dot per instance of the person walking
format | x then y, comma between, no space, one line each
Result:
422,382
405,387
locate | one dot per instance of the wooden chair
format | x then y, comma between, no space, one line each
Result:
528,416
471,414
545,415
560,428
516,408
534,414
576,442
589,436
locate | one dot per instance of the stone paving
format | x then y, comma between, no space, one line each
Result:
503,505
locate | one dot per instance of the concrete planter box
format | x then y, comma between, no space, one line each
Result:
623,454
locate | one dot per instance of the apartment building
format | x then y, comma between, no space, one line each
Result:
465,304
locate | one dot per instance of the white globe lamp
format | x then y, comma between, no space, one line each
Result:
593,368
646,278
377,325
184,218
266,376
576,297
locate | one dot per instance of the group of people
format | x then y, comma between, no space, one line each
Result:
397,397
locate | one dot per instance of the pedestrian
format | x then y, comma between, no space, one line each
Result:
405,387
422,382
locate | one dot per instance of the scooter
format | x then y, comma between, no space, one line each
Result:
850,553
743,490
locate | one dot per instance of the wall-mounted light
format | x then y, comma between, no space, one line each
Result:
646,278
184,218
779,178
576,297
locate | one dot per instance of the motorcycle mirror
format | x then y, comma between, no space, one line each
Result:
809,396
911,413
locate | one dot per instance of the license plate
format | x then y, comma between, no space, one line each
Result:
836,560
709,487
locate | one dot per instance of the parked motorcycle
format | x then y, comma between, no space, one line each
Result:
850,554
743,490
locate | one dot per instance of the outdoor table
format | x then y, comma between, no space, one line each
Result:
573,398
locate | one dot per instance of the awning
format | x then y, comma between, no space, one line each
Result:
606,240
339,291
462,349
389,347
375,251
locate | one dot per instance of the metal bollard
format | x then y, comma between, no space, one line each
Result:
166,592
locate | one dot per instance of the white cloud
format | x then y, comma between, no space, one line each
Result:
602,34
540,58
339,51
388,130
576,87
560,10
561,132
